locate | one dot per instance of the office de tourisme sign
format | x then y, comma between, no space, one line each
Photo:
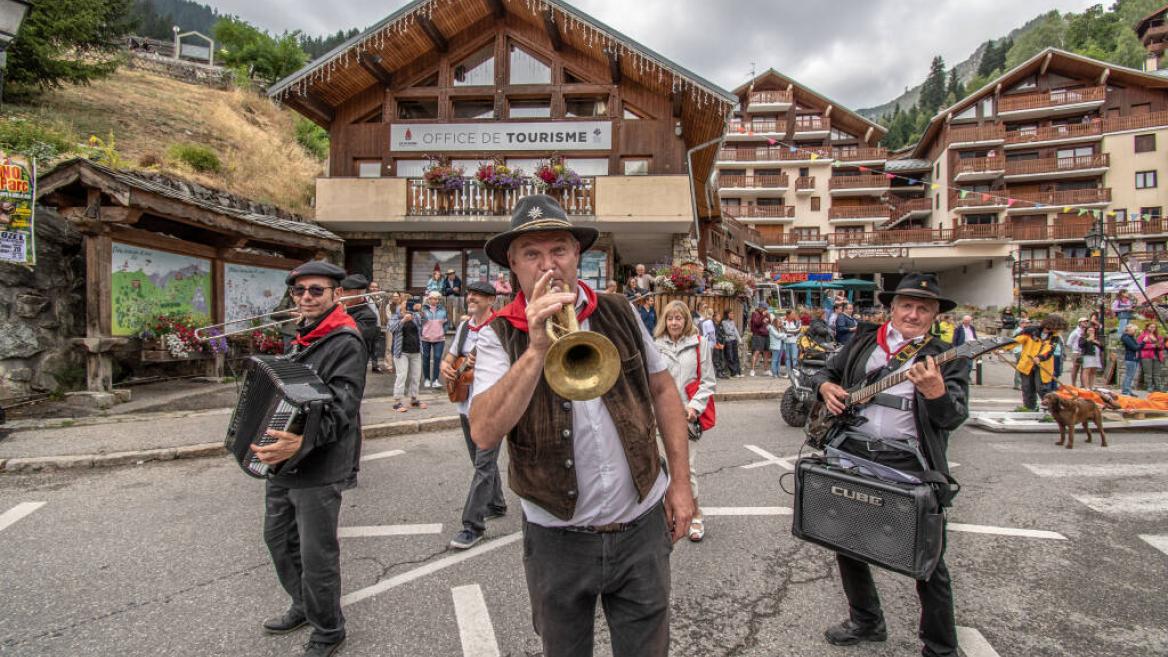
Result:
557,136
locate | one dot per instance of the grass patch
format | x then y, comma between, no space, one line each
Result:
40,139
196,156
313,138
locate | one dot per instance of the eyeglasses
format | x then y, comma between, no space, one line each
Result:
315,290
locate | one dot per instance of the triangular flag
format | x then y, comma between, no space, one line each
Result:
1010,202
1066,209
862,169
913,181
814,156
1111,213
1082,211
772,142
1097,213
1038,205
963,193
986,198
934,187
791,149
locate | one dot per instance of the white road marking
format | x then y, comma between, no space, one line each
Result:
382,455
1159,542
1127,503
388,530
770,459
474,622
1110,470
17,512
1005,531
427,569
1045,447
747,511
973,644
995,401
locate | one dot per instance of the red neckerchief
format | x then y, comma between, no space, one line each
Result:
516,311
882,340
476,329
336,319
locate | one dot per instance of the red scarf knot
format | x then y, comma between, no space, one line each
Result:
516,311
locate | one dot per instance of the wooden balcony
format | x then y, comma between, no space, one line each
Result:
978,199
739,181
756,125
1055,133
751,154
805,268
859,212
1043,265
812,123
864,181
1058,165
805,184
774,236
860,154
470,199
1070,197
771,97
742,231
1045,100
887,237
976,232
975,134
909,206
1065,230
759,211
979,167
1135,122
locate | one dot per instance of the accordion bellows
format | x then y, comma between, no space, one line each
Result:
276,394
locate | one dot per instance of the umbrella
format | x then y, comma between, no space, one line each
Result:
855,284
1156,290
811,285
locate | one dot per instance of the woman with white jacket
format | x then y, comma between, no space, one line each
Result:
685,352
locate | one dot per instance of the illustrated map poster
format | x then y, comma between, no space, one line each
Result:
148,283
251,290
17,194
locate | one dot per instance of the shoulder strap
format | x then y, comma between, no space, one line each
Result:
464,329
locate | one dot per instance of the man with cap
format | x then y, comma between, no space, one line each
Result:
601,514
1075,350
485,499
368,324
925,408
303,504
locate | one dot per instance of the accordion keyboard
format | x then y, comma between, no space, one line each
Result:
282,418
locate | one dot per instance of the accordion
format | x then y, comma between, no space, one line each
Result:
276,394
896,526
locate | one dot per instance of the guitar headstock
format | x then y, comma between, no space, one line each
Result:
975,348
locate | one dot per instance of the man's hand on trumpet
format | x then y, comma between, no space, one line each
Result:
545,302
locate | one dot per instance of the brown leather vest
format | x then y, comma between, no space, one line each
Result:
540,446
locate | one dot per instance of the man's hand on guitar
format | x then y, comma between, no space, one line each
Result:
834,396
926,376
447,370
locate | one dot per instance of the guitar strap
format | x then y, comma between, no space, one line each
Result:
902,356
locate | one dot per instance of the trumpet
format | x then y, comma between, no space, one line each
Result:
266,320
580,365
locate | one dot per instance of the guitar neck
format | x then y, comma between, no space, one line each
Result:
871,390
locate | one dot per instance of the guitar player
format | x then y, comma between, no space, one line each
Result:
485,499
932,403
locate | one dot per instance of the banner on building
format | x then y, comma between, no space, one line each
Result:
17,202
501,137
1085,283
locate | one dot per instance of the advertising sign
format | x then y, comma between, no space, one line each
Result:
148,283
543,136
17,201
1065,281
251,291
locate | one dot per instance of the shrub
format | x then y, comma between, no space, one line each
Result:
33,138
196,156
312,137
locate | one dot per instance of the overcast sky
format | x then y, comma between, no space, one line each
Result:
858,52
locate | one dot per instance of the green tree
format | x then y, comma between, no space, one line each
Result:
67,41
266,58
1048,31
954,88
933,90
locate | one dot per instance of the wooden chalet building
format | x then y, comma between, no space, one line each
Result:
515,81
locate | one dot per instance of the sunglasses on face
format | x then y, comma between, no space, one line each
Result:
315,290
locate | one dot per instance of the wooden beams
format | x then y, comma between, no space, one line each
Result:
614,67
868,135
1106,74
496,7
373,64
433,33
313,107
827,112
1046,63
102,214
553,32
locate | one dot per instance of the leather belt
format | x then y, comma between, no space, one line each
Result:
894,402
612,527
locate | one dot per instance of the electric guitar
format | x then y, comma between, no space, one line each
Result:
821,423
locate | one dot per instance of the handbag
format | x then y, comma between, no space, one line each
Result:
709,416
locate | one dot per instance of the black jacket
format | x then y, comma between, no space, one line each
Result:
935,418
339,359
366,323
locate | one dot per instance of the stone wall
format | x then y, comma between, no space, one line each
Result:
184,71
684,248
41,309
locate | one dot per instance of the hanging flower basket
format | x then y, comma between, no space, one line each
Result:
499,177
554,175
443,177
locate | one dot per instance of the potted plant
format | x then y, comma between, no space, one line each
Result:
267,341
175,335
553,176
676,279
444,178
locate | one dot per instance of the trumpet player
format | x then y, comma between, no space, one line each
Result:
600,512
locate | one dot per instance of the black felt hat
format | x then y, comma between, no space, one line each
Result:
354,282
315,268
480,287
538,213
920,286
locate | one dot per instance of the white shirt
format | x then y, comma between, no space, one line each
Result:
969,337
1073,341
884,422
606,490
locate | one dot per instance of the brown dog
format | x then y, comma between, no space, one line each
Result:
1069,412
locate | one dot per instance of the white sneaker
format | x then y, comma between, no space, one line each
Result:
752,372
436,384
426,383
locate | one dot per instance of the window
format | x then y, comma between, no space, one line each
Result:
476,108
409,168
1145,179
815,204
804,172
980,219
572,78
585,107
423,263
849,150
1069,156
810,259
431,81
851,230
967,114
368,168
1152,214
987,107
589,166
636,166
426,108
478,69
1075,252
1140,109
1035,253
530,108
1156,248
525,68
1120,215
840,135
1145,143
806,234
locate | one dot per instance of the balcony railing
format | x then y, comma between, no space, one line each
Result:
1043,265
979,165
777,96
1094,128
1134,122
975,133
857,182
977,232
759,211
739,181
805,183
756,125
751,154
1073,229
860,154
811,123
805,268
976,200
1055,98
774,236
1057,164
470,199
1065,197
906,206
859,212
886,237
743,231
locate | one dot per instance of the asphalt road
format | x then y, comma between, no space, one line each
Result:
168,559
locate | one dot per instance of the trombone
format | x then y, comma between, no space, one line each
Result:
219,330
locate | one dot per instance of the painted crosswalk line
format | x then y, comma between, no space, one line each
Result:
474,622
382,455
13,515
747,511
973,644
1005,531
1047,447
769,459
1159,542
1109,470
1127,503
388,530
428,569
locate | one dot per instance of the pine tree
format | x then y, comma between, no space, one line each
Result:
954,89
933,90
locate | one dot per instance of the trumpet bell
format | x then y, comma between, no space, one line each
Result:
581,365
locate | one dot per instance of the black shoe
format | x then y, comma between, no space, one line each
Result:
290,621
849,633
495,513
466,539
318,649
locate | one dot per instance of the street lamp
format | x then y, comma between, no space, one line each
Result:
1097,241
12,13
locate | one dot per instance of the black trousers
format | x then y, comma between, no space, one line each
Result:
938,627
377,353
1031,388
300,529
486,487
730,353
